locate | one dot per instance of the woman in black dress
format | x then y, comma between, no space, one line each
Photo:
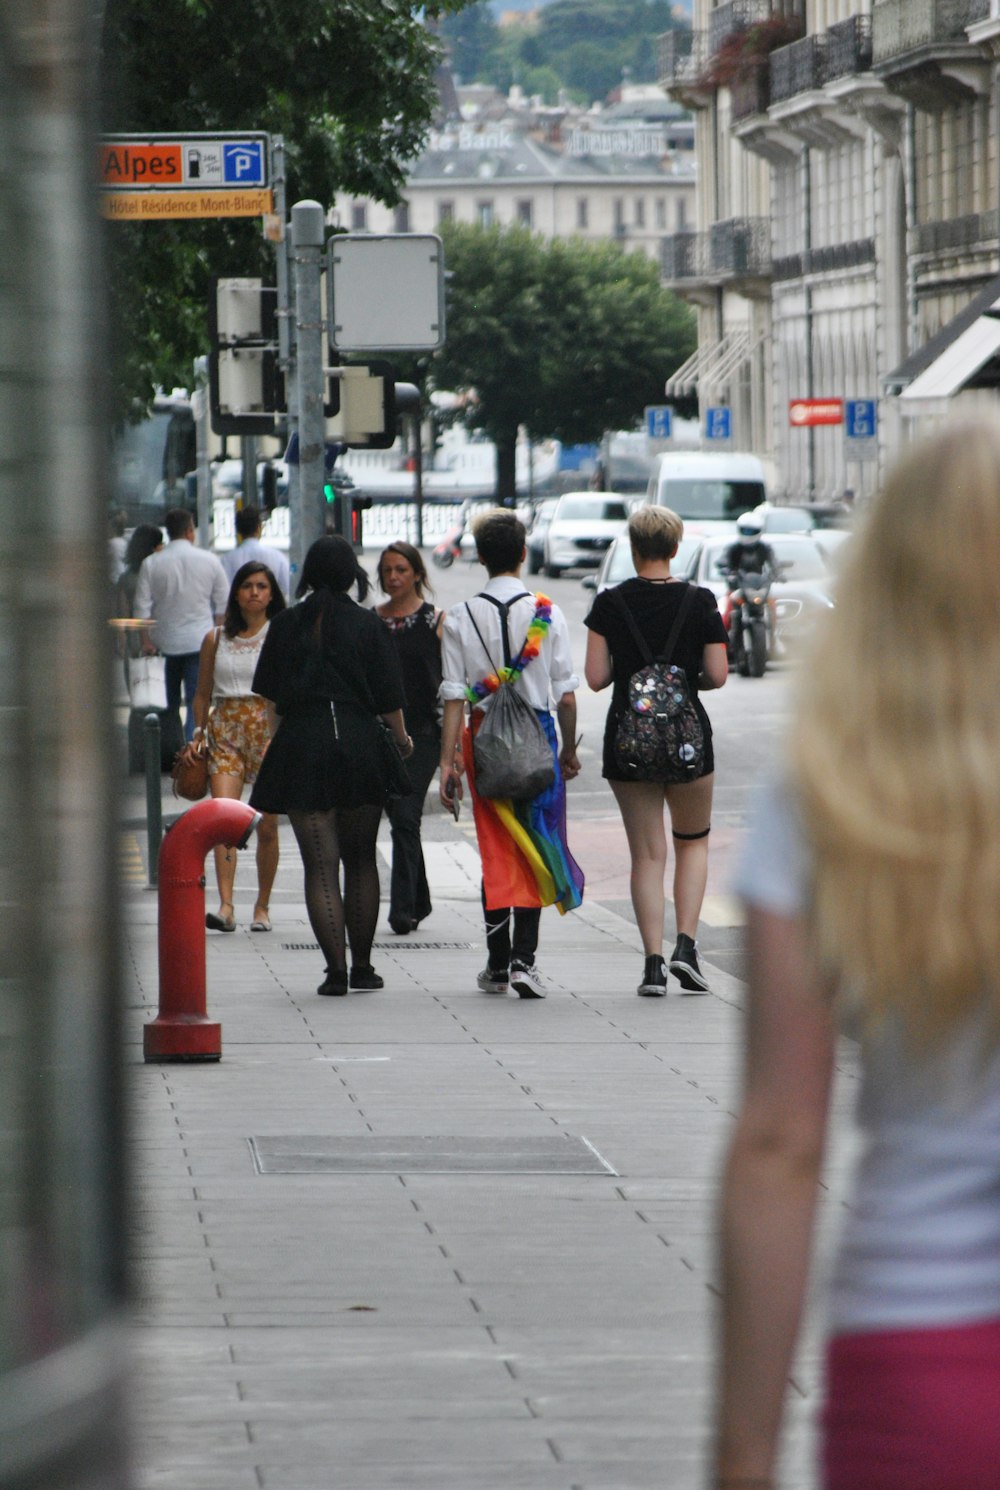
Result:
415,627
328,670
654,598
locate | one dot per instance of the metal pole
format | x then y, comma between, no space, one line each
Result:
286,338
154,803
418,476
308,226
248,460
199,406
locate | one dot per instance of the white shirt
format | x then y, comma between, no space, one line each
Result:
463,660
921,1242
261,553
183,589
236,660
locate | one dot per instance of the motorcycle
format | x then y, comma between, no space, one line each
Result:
749,623
449,549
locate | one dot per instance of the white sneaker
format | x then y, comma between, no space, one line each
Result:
525,982
492,982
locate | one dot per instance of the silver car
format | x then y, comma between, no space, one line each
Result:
618,566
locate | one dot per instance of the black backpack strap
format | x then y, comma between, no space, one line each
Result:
643,646
482,643
503,606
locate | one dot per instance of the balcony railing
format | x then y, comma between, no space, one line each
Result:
683,256
957,232
735,15
740,246
823,260
849,48
751,95
900,26
798,67
680,55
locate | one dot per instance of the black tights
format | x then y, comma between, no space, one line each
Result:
343,835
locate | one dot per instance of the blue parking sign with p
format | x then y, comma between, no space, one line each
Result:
859,418
718,423
243,163
658,422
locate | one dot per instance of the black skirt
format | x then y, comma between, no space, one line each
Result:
320,757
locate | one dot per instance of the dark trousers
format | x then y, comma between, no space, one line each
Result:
182,668
500,951
409,896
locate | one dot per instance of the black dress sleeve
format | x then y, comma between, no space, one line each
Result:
597,617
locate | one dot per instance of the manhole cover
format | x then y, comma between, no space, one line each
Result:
444,1154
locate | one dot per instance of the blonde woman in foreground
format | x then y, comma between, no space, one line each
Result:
873,889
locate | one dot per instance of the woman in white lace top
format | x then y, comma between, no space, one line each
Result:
231,723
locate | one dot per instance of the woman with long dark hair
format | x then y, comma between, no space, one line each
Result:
415,627
329,672
231,724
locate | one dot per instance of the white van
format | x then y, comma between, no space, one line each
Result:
708,491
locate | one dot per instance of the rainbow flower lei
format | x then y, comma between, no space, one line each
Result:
540,623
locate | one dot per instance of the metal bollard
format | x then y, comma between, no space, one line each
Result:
154,802
182,1030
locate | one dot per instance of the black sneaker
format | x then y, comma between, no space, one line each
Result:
684,966
654,979
366,977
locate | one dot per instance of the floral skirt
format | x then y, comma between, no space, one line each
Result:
237,737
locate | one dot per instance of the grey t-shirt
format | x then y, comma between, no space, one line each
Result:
921,1242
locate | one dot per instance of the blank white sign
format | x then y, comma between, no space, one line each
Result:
385,292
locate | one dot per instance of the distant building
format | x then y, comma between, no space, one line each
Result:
624,174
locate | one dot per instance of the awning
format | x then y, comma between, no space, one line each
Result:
713,364
964,354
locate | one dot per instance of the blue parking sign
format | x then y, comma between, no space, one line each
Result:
859,418
718,423
658,422
243,163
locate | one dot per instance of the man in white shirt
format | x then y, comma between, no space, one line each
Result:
467,658
248,530
184,590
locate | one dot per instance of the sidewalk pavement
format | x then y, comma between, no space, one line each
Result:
424,1237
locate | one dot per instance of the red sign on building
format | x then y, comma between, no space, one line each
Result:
806,411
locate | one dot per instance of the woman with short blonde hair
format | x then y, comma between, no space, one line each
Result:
873,888
627,626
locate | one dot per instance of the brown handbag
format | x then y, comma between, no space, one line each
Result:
190,773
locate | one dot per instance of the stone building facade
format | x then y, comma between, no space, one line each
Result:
848,195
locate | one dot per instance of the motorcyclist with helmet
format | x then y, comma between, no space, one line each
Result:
752,555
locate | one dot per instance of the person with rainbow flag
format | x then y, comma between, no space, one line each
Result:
526,859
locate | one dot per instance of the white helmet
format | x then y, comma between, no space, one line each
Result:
749,526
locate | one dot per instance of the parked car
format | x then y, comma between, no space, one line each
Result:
617,565
582,529
801,594
537,531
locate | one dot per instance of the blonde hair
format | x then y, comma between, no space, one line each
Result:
654,532
897,749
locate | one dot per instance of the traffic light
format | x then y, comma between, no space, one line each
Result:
358,505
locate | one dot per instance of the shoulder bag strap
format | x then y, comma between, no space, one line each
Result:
482,643
644,650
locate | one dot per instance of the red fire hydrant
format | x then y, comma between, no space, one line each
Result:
182,1030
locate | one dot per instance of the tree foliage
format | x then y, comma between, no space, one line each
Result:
586,44
348,83
568,338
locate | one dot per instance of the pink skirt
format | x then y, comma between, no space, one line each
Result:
913,1409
